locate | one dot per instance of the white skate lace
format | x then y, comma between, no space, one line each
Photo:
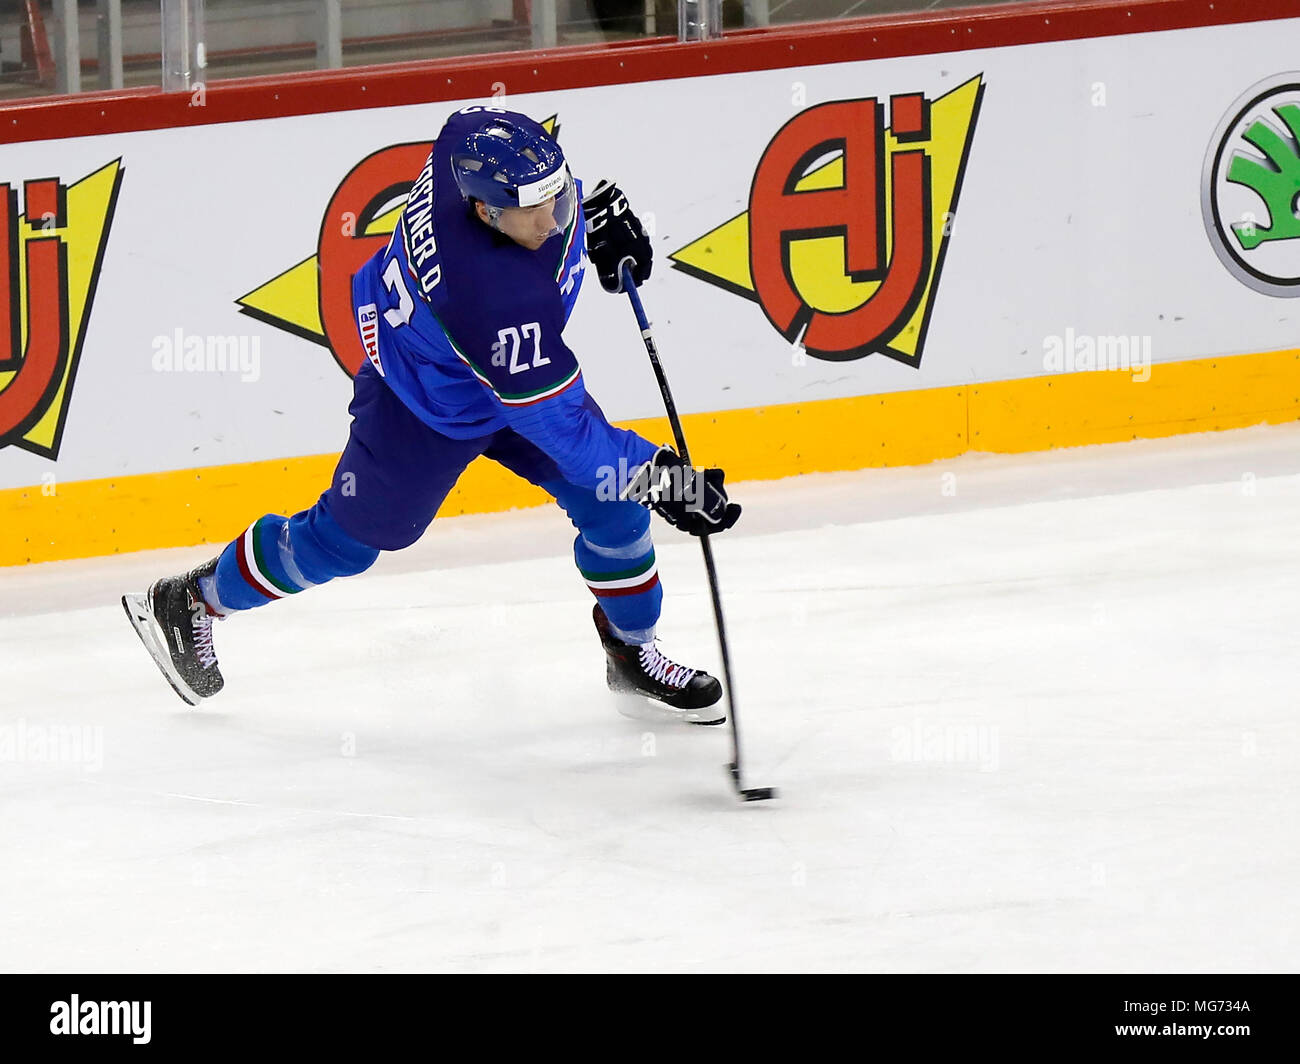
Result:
663,669
203,649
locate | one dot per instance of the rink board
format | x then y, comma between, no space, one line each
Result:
181,263
903,428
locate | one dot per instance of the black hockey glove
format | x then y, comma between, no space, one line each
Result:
693,500
615,237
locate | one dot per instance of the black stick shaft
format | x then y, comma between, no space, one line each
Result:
679,437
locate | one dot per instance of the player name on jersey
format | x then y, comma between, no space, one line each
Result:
417,224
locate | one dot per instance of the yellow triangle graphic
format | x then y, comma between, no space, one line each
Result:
290,300
721,255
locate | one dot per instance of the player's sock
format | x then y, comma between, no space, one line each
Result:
278,556
175,625
644,669
625,580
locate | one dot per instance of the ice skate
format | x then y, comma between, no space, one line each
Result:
175,625
679,693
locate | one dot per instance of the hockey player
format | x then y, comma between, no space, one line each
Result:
461,318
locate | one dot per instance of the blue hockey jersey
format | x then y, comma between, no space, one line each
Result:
465,325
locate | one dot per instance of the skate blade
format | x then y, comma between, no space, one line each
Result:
146,627
640,707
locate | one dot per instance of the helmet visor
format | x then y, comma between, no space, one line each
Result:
560,186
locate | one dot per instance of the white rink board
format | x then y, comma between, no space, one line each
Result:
1071,215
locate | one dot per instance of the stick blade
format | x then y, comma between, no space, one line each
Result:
750,794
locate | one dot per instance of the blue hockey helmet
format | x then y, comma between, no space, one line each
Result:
508,160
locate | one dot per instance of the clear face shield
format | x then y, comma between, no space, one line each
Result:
560,186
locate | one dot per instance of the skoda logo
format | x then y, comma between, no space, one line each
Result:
1250,187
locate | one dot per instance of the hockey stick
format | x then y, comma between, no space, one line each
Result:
749,794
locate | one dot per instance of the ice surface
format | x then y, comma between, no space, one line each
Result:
1027,713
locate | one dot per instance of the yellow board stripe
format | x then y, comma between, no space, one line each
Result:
214,504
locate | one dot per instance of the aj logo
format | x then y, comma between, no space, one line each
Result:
1250,187
51,250
847,225
314,298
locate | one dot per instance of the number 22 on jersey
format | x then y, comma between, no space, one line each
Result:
510,343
